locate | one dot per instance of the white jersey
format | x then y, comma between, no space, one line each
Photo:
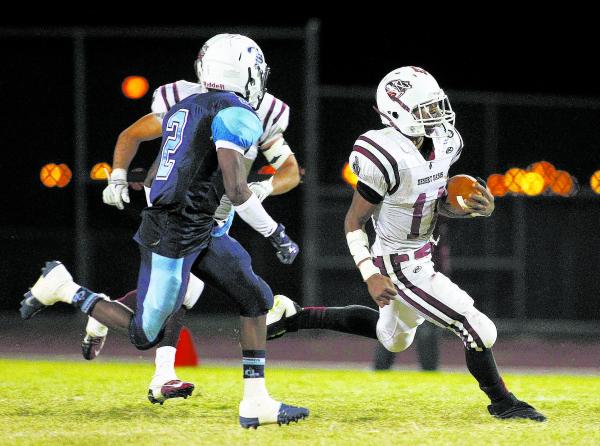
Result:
273,113
389,163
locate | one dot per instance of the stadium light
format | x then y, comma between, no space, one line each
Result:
349,176
134,87
495,183
512,179
55,175
532,183
563,184
595,182
100,171
545,169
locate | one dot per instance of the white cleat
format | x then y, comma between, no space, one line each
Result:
54,285
261,411
282,317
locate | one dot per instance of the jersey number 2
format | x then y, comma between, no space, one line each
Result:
175,126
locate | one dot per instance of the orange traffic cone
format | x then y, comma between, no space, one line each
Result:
186,355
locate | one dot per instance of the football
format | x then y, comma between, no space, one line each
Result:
459,188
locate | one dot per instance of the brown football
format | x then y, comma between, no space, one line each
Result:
459,188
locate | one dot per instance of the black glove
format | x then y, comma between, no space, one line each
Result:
286,249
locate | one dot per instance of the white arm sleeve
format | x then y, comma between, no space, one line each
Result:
253,213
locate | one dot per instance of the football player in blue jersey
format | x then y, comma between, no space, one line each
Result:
274,116
204,139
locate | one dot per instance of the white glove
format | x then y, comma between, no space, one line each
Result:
116,193
262,189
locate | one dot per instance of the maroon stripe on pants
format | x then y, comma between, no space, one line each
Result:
422,309
375,161
440,306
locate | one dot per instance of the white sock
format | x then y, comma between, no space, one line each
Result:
165,362
255,388
95,328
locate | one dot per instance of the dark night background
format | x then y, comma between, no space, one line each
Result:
36,85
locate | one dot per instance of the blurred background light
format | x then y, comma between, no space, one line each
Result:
100,171
55,175
134,87
495,183
349,176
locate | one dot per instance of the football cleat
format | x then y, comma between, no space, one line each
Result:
281,319
95,336
259,412
91,346
47,289
171,389
511,407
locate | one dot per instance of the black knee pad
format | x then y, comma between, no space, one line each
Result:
139,339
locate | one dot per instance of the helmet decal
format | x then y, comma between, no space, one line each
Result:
397,88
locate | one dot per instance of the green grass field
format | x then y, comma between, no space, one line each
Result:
104,403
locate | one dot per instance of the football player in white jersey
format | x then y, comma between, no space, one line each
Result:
274,115
402,171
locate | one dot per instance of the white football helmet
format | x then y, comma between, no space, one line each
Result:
235,64
202,52
410,99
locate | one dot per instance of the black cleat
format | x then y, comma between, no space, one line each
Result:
30,306
511,407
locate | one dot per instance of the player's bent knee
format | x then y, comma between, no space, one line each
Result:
484,327
258,302
396,342
139,339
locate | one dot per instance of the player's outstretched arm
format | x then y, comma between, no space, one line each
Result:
144,129
280,156
287,176
380,287
249,208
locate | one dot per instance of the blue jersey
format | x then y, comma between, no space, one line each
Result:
188,185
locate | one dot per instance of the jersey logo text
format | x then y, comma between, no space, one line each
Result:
430,178
214,85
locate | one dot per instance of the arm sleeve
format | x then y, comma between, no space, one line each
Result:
236,128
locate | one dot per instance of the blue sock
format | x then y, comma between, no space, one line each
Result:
253,362
85,299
